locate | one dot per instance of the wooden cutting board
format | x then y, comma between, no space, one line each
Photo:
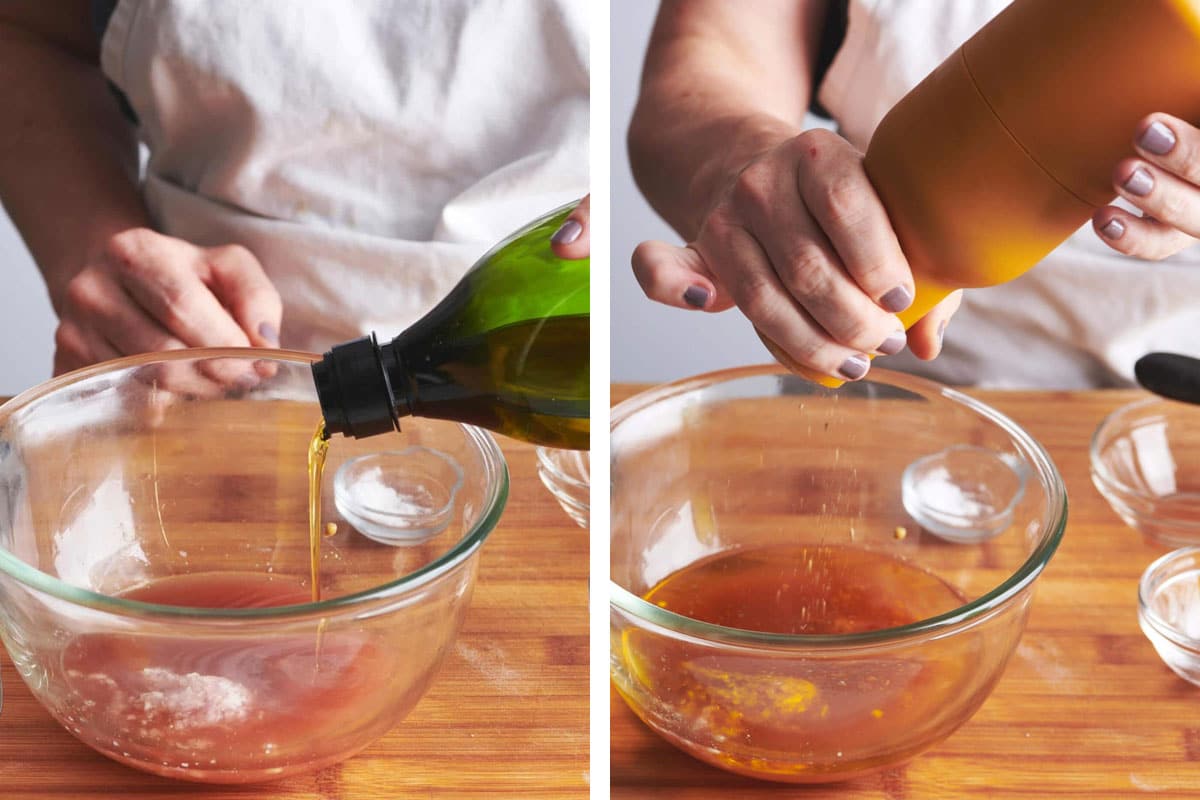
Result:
1085,708
507,715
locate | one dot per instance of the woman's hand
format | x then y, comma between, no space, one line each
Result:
149,292
1163,181
801,243
572,240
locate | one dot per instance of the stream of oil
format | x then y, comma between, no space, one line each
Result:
318,449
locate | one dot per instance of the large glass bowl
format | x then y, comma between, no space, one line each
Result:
892,496
152,507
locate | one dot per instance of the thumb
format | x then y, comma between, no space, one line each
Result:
925,336
677,276
572,240
242,286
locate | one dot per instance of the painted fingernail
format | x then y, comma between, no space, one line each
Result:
1139,183
897,299
941,333
854,367
696,296
1113,229
269,332
893,344
1157,139
567,232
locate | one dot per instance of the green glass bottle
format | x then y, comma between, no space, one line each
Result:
506,350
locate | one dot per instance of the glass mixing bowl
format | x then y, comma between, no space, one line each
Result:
155,569
770,523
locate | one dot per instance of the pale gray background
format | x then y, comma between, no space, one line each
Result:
26,320
652,342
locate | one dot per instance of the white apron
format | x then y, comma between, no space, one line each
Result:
367,152
1080,318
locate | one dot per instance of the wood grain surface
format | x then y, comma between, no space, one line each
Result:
507,715
1085,707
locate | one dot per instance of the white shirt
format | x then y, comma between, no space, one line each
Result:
367,152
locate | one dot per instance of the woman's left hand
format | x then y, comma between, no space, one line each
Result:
1164,182
573,238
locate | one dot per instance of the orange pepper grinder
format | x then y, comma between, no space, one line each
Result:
1008,147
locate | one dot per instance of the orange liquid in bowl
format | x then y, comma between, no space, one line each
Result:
793,714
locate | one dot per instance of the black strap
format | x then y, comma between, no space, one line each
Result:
833,35
102,11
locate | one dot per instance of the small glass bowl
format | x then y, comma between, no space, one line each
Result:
1145,461
399,497
567,474
964,493
1169,610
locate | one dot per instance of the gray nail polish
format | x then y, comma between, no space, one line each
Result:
269,332
1113,229
696,296
1140,183
893,344
567,232
941,333
1157,139
854,367
896,300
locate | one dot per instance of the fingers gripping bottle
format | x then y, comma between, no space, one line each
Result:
1008,147
507,350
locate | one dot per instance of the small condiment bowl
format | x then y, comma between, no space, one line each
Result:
567,474
1169,610
1145,461
399,497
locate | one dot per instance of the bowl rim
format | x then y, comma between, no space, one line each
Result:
493,505
1151,578
1103,477
1043,467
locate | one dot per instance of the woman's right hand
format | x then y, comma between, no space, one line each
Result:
148,292
800,242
